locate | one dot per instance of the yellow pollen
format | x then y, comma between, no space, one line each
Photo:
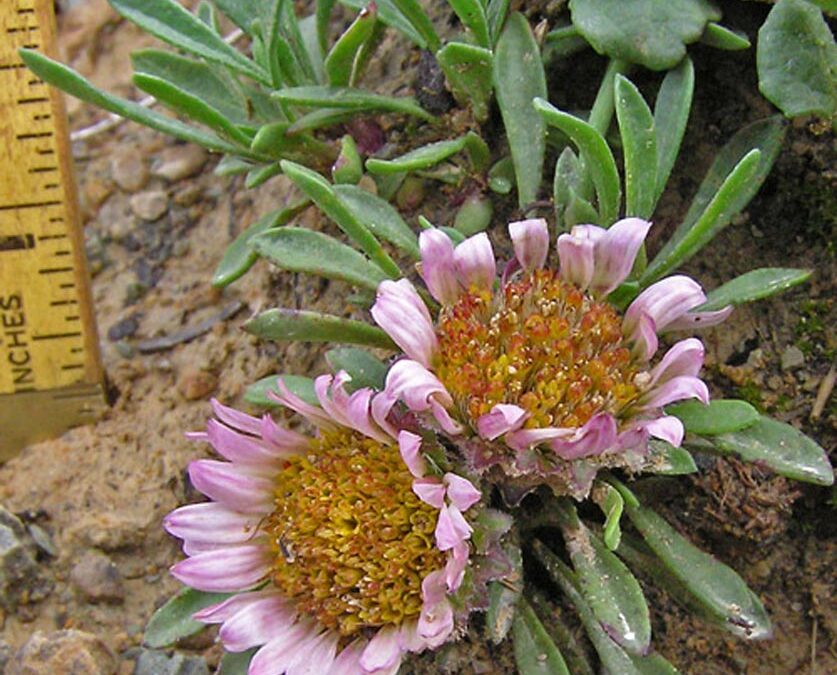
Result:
352,542
541,344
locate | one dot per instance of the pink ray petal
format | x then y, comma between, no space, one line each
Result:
693,320
667,428
461,492
475,264
401,312
455,567
576,260
257,623
275,656
435,623
235,418
408,638
683,358
382,404
451,528
317,657
431,491
438,266
503,418
446,422
530,239
226,609
233,487
676,389
615,253
210,523
225,570
358,411
414,384
283,439
410,446
348,660
528,438
596,436
433,588
382,651
243,449
664,302
312,413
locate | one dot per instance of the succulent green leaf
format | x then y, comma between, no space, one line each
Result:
389,13
596,155
240,256
781,447
754,285
671,113
340,61
562,42
669,460
74,84
797,60
421,158
496,11
318,119
172,23
230,165
612,504
301,325
474,215
534,651
240,12
721,37
296,249
727,188
322,18
472,15
714,585
563,636
652,33
468,71
257,393
319,191
503,598
418,18
719,417
173,621
365,369
236,663
639,147
501,176
348,168
261,174
519,79
351,99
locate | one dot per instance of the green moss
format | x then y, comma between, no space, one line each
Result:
751,392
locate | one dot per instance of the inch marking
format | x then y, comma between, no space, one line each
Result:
30,205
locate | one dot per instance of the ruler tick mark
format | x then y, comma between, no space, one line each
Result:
59,253
74,317
61,303
47,237
68,285
54,270
43,169
57,336
36,134
46,151
12,66
72,366
30,205
33,99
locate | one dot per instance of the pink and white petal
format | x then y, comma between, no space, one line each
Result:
358,410
243,449
235,418
210,523
455,567
233,487
275,656
668,428
408,638
461,492
504,417
683,358
283,439
431,491
257,623
312,413
692,320
400,311
644,338
414,384
596,436
528,438
382,404
317,657
446,422
576,260
451,528
438,266
665,302
475,264
221,611
410,446
225,570
433,588
530,239
676,389
435,623
615,253
348,660
322,388
382,651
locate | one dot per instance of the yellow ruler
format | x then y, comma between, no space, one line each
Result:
50,375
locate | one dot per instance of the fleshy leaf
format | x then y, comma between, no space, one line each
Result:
639,147
237,663
389,13
472,15
468,72
563,636
670,460
797,60
671,113
534,651
474,215
306,326
173,621
430,155
418,18
754,285
719,417
562,42
501,176
341,59
611,503
302,386
518,79
782,448
350,98
503,598
365,369
722,37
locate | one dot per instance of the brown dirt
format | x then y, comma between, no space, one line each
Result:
106,487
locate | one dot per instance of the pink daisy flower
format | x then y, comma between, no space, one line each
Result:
344,550
538,373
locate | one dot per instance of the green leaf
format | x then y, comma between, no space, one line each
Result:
652,33
563,636
365,369
348,168
257,393
611,503
721,37
420,21
719,417
671,113
316,188
639,147
211,85
596,155
293,324
518,79
429,155
501,176
668,460
727,188
612,592
173,621
240,256
392,16
322,18
496,11
754,285
172,23
318,119
562,42
715,586
236,663
351,99
74,84
797,60
297,249
340,61
240,12
503,598
782,448
472,15
468,72
474,215
379,216
261,175
534,651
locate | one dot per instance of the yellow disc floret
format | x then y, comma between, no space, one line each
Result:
352,541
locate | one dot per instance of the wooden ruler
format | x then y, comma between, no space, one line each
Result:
50,374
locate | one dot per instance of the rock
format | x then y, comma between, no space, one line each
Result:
179,161
123,328
150,205
196,384
20,578
156,662
129,171
98,578
63,652
792,358
5,655
111,531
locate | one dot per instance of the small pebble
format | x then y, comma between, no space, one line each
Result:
123,328
196,384
149,205
178,162
129,171
98,579
124,349
792,358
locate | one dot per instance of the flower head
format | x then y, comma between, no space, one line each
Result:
344,549
546,378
